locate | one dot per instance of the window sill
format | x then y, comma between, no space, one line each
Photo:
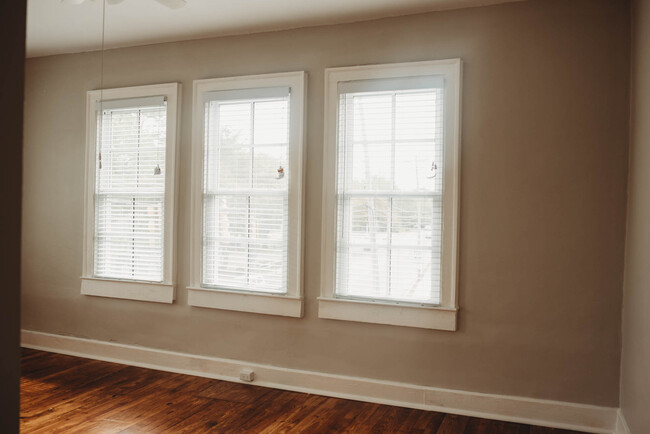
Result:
435,318
267,304
141,291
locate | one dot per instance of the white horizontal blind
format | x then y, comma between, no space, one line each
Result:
389,193
245,191
129,198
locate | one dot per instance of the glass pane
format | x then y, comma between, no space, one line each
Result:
413,167
267,218
363,272
234,168
245,198
371,118
368,221
271,122
266,266
266,162
371,166
234,124
225,264
412,222
417,116
225,216
390,195
410,274
129,198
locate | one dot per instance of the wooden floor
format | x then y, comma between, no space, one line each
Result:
69,394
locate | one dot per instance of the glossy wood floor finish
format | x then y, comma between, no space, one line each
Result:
69,394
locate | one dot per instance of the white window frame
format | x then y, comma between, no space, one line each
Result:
287,304
330,306
165,291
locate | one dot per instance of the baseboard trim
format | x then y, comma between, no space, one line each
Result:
556,414
621,424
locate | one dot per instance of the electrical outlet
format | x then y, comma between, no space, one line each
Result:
246,375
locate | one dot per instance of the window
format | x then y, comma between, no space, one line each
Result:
129,199
248,194
391,194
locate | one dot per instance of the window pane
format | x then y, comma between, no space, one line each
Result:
266,162
245,226
271,122
363,272
368,221
225,263
129,197
371,166
389,195
234,124
412,222
233,168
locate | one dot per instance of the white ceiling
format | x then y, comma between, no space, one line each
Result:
55,27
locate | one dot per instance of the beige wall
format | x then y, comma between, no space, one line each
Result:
544,168
635,363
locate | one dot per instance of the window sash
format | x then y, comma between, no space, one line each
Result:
243,259
374,268
129,200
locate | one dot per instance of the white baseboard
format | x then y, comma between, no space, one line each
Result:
556,414
621,424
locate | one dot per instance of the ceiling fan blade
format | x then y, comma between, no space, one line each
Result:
173,4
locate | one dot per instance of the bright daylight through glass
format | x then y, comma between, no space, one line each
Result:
246,194
390,179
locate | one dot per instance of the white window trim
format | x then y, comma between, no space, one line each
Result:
165,291
444,316
291,303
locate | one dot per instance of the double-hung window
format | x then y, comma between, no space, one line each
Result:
247,169
391,194
130,193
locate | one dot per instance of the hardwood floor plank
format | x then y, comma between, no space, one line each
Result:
42,365
429,422
64,394
169,414
273,409
477,425
242,393
409,423
500,427
392,420
320,420
453,424
365,422
211,418
301,409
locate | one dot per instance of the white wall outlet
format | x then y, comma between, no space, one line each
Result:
246,375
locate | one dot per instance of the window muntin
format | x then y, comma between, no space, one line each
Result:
389,190
246,190
129,227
